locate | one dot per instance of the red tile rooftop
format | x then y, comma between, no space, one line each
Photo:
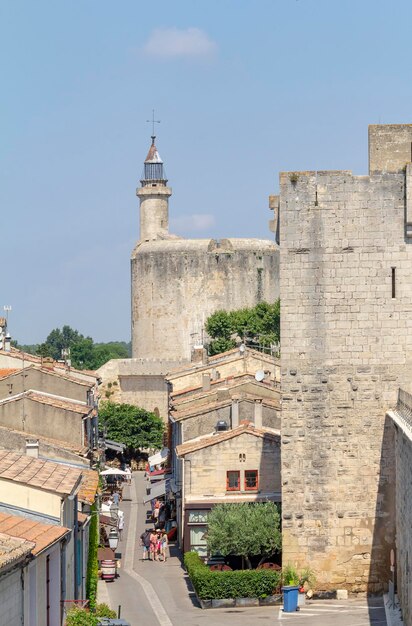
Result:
46,475
39,534
13,549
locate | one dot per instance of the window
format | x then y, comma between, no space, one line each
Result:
233,481
198,541
251,480
198,516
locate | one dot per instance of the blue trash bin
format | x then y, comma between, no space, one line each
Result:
290,598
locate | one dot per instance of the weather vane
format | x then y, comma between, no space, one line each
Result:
153,122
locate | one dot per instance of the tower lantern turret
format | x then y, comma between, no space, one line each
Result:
154,197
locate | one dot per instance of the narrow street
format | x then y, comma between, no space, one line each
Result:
158,594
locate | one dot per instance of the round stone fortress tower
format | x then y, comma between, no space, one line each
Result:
177,283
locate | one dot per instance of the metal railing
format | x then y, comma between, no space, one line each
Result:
404,406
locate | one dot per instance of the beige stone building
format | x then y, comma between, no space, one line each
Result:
44,415
237,465
346,297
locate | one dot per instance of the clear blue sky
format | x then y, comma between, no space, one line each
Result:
243,90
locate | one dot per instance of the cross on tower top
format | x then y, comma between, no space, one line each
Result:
153,122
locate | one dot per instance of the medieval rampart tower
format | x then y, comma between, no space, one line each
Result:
346,320
177,283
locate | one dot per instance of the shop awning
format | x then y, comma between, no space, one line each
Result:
159,457
156,490
114,445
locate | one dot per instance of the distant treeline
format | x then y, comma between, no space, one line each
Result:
82,351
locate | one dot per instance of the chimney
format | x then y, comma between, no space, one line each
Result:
47,362
258,411
199,355
206,382
235,413
32,448
7,343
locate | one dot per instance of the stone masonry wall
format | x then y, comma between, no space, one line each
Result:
403,453
205,469
346,347
177,284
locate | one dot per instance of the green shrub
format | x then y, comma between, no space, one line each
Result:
92,564
80,617
103,610
230,584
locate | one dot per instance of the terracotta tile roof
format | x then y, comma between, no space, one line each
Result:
213,439
82,517
46,475
88,486
222,357
60,403
67,404
7,371
32,358
188,410
40,535
13,549
228,381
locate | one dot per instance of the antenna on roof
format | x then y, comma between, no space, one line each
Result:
260,375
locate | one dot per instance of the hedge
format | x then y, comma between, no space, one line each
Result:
211,585
92,564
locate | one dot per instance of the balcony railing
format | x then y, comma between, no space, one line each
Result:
404,406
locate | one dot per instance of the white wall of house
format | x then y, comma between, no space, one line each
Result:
35,589
11,599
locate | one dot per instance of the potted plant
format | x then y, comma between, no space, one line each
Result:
306,581
290,588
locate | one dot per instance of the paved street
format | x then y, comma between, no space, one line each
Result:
158,594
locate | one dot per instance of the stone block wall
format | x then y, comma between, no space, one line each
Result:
346,346
403,455
205,469
177,284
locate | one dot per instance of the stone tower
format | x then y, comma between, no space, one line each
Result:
346,294
177,283
154,197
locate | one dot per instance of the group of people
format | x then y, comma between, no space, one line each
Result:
155,545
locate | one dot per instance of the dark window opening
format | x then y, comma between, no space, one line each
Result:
251,480
393,282
233,481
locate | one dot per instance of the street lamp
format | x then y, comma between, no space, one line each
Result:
114,511
113,538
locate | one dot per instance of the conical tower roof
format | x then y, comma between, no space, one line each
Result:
153,156
153,170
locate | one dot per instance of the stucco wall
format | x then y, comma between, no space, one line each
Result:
43,420
346,346
25,497
205,423
16,442
177,284
205,470
42,381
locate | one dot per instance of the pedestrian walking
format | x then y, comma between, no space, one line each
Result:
145,543
121,525
164,550
153,545
116,498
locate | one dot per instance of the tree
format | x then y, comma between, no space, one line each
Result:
259,327
247,529
131,425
